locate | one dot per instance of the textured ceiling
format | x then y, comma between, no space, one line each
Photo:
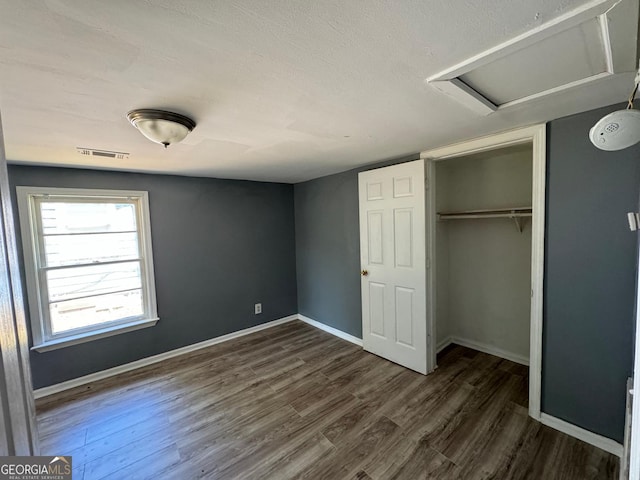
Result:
281,90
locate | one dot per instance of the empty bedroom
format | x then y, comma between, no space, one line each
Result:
319,240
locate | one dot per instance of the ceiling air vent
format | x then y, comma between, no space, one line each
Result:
92,152
585,45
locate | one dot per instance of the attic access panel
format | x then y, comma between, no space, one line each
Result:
585,45
563,58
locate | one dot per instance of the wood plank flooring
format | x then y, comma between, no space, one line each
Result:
295,402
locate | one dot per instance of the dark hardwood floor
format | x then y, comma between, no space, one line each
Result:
295,402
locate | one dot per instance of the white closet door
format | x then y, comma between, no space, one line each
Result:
392,251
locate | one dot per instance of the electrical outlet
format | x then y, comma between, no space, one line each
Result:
258,308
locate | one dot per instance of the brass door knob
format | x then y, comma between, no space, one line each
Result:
364,273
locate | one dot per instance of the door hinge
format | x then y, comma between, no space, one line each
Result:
428,263
634,221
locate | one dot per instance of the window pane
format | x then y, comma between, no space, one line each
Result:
85,312
74,282
87,217
87,248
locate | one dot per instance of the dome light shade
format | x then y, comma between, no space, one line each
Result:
160,126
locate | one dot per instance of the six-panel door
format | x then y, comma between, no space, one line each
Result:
393,269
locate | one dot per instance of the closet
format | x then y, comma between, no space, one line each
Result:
483,248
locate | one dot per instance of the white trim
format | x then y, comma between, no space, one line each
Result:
493,141
95,335
559,24
603,23
76,382
539,141
18,425
559,89
465,95
490,349
591,438
536,135
634,445
442,344
601,442
93,377
625,459
81,192
482,347
29,199
333,331
431,217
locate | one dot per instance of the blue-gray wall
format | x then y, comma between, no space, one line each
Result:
219,246
590,264
328,249
589,278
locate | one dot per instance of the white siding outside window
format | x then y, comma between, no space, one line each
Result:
88,263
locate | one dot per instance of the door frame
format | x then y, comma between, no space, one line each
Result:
18,427
634,444
536,136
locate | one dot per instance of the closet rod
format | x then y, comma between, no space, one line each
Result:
518,214
456,216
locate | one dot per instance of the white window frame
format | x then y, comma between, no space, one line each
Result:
43,340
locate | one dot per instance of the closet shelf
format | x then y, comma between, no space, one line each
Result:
518,214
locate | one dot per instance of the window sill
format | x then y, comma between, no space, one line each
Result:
94,335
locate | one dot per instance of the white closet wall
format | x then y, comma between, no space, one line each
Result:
484,265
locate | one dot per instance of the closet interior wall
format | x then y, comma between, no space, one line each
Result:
483,266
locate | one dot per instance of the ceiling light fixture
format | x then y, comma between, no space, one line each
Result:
160,126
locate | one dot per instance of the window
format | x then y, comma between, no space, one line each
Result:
88,263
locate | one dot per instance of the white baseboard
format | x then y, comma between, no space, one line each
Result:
482,347
331,330
599,441
143,362
591,438
442,344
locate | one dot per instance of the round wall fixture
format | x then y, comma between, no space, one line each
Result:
161,126
617,130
